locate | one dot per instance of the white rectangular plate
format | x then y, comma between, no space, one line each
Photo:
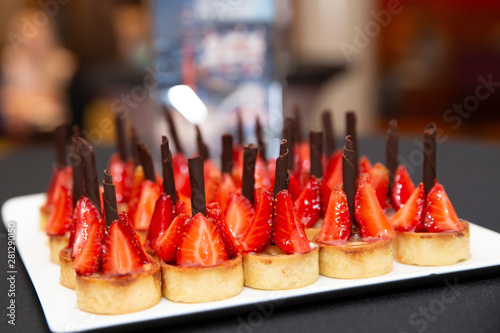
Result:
59,303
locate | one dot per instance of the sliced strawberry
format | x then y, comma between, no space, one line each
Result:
183,205
60,219
169,240
332,163
335,179
120,170
212,184
231,244
89,260
258,235
137,180
379,178
201,244
439,212
324,192
238,214
288,233
120,252
262,176
85,215
125,222
163,216
365,166
336,227
226,188
402,188
143,203
411,216
294,187
368,212
60,177
309,204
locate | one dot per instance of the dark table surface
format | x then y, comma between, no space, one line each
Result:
470,172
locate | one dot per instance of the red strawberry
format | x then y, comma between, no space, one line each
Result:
309,203
402,188
324,192
168,242
143,204
365,165
294,187
60,219
163,215
335,178
262,176
411,216
258,235
212,186
226,188
183,205
368,213
85,215
122,179
289,233
439,212
336,227
231,244
201,244
60,177
238,214
89,260
125,222
379,178
332,163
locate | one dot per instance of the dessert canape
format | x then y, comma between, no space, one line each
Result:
356,238
429,232
199,257
293,261
114,275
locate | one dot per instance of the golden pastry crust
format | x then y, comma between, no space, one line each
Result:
274,270
56,244
432,249
119,294
311,233
68,276
202,284
44,216
142,235
356,260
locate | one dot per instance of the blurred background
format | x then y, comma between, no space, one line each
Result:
81,60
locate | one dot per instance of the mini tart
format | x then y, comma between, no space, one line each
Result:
356,259
433,249
312,232
56,244
202,284
68,276
119,294
274,270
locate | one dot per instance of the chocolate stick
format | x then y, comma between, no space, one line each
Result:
289,135
283,147
168,170
331,145
146,162
429,157
260,140
90,173
240,128
198,201
316,153
351,131
298,123
202,147
391,155
134,140
77,165
173,130
61,141
227,154
248,178
121,137
281,175
349,174
109,199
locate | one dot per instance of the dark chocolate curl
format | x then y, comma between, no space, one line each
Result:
146,162
330,144
351,131
240,128
168,170
289,135
109,199
227,153
298,125
392,151
198,201
77,165
173,130
281,175
283,146
248,178
429,157
75,132
202,147
90,173
316,153
349,174
61,141
121,136
134,140
260,140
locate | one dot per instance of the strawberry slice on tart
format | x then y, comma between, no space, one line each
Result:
402,188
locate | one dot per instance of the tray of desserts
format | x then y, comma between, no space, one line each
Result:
202,238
